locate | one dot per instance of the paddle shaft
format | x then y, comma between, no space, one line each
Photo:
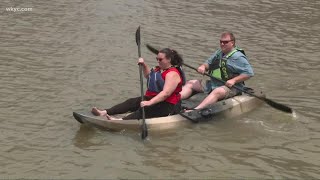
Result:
141,90
144,129
140,67
234,86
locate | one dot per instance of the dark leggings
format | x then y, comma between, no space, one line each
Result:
133,105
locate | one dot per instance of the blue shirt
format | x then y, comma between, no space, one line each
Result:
236,64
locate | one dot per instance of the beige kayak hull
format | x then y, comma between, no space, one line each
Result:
228,108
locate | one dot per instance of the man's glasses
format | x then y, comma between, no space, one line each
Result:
225,42
159,59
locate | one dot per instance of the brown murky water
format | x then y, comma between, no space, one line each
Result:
65,56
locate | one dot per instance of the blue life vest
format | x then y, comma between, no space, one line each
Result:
155,82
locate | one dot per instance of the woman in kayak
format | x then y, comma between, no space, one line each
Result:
162,98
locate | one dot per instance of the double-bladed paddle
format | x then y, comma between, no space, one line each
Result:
272,103
144,128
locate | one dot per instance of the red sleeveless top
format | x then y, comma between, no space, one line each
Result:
175,97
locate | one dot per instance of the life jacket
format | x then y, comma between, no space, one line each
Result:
156,80
219,68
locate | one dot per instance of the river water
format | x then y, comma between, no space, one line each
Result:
69,55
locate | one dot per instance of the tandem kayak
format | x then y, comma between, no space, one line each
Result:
227,108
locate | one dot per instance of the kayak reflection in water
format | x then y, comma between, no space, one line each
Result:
162,98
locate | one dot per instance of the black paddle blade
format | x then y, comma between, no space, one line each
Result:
144,131
278,106
138,36
152,49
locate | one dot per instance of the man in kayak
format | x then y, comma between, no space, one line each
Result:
162,98
230,64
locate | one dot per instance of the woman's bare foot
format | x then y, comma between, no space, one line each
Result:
98,112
